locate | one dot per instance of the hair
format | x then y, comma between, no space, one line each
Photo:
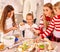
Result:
30,14
0,24
49,5
56,4
4,16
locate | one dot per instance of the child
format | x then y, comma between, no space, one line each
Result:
45,19
8,20
55,24
29,27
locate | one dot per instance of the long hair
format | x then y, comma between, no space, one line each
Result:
6,10
50,6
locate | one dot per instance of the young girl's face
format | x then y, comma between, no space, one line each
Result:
10,14
47,11
29,19
57,10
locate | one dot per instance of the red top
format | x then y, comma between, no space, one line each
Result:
41,25
54,25
48,18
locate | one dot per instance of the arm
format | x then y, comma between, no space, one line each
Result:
21,27
6,30
35,29
39,29
10,29
48,31
50,28
36,32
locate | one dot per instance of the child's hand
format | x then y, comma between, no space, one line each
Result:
34,30
22,23
16,26
37,31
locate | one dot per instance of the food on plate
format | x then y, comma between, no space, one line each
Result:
41,46
23,47
50,47
29,41
49,44
29,45
1,46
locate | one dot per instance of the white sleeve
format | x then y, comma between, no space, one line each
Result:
22,27
35,26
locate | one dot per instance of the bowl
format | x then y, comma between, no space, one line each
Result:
9,40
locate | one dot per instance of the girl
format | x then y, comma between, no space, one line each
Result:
8,20
45,19
55,24
29,7
29,27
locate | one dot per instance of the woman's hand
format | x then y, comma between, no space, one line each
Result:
10,29
38,39
46,39
35,31
16,26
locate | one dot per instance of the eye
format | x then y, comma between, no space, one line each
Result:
46,9
43,10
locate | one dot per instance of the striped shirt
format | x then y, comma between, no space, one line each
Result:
54,27
42,28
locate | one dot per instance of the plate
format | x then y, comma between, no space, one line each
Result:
3,48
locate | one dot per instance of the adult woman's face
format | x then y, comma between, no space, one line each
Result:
47,11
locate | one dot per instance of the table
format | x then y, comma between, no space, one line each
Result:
14,49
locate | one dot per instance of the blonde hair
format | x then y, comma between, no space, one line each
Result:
49,5
56,4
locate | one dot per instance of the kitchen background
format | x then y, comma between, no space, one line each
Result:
18,6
